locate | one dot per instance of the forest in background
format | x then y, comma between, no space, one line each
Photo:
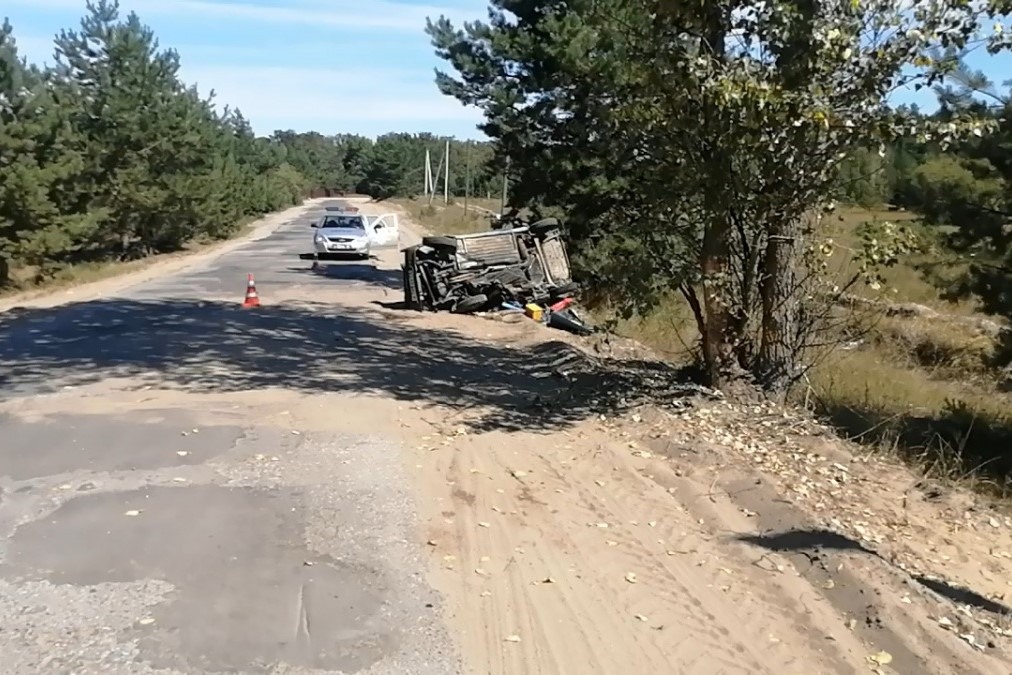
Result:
108,156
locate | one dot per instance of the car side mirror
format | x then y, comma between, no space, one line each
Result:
314,224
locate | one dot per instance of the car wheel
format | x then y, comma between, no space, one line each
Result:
470,304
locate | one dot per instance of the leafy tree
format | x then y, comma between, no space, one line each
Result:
40,163
696,146
108,155
969,190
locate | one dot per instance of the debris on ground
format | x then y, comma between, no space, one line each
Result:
517,270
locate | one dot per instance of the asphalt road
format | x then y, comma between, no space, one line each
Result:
193,538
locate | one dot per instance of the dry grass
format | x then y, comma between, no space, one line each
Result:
445,219
920,386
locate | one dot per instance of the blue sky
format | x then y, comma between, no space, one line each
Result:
334,66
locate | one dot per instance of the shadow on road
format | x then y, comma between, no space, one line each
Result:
351,271
814,542
215,347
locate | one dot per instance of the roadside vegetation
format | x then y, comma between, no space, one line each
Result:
108,158
701,224
700,157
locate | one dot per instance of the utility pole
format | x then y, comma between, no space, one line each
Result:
428,173
432,195
505,186
446,175
467,174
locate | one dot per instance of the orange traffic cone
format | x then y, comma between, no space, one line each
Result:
252,299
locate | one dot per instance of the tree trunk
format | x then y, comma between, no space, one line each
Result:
721,365
781,346
5,271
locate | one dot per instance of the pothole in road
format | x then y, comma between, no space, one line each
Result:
102,443
249,593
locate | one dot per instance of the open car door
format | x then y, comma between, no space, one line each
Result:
383,230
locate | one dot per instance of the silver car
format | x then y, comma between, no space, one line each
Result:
341,234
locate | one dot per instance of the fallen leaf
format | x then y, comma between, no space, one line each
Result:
631,577
132,512
486,594
182,453
146,621
512,638
640,617
881,658
179,479
431,542
600,483
483,524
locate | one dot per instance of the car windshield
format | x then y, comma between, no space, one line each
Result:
344,222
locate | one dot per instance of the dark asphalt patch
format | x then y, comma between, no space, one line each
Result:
248,591
104,443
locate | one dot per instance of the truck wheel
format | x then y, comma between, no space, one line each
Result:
412,291
470,304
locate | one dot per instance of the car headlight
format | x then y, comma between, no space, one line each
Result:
319,238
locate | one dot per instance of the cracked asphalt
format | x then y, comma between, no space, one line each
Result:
146,527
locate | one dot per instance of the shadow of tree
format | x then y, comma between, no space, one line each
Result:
351,271
812,542
213,346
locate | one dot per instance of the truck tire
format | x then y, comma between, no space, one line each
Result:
470,304
412,292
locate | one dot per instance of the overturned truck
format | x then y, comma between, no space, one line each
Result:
471,272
